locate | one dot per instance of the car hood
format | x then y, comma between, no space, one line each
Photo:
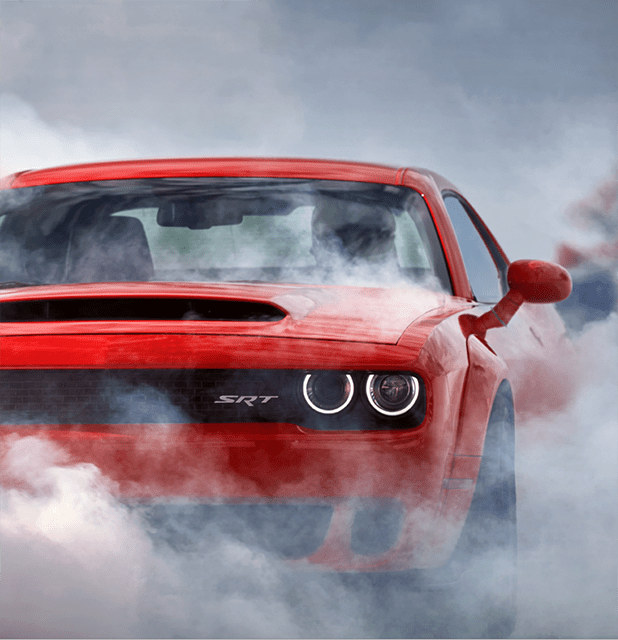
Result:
351,314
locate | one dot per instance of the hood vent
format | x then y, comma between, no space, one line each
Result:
80,309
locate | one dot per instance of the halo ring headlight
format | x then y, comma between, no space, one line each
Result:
328,392
392,394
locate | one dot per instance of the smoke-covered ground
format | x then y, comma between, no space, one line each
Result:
77,563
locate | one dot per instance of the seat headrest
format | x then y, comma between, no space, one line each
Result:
113,248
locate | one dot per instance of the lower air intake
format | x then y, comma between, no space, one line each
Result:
286,530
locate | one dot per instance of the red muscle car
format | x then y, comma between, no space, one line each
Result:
323,358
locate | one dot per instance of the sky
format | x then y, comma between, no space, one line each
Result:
513,101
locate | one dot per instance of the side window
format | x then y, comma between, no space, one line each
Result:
485,277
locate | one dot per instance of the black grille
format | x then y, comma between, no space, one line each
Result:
288,530
177,396
115,309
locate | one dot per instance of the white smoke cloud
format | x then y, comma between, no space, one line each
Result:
27,142
78,563
71,556
567,484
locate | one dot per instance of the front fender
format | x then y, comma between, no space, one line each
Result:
485,373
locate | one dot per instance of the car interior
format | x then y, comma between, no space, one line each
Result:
255,236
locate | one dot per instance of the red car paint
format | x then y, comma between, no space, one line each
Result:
447,340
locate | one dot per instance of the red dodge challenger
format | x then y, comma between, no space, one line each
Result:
322,358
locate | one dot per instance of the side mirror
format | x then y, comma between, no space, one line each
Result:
532,281
538,281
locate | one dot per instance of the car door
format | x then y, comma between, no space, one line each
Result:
534,345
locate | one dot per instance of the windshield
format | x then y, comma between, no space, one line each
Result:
219,229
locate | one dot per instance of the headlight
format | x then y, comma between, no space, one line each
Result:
392,394
328,391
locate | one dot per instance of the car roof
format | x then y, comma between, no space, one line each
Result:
234,166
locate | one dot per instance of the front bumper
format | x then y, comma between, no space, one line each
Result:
326,501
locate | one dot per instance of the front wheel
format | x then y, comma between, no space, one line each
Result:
480,600
487,548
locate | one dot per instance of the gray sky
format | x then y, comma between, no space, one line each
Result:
514,101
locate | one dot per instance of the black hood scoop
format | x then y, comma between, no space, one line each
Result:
80,309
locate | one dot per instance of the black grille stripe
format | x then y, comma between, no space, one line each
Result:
164,396
288,530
